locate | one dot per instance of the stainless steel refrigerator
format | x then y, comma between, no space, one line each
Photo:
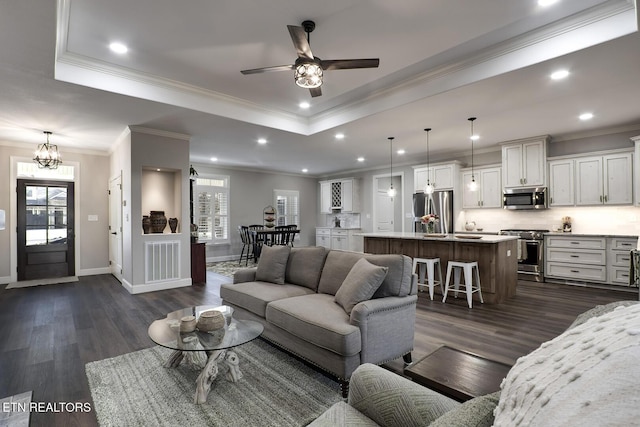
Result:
439,203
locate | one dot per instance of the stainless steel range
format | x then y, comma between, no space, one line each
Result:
530,253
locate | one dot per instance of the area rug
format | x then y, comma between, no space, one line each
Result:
39,282
276,390
14,410
227,268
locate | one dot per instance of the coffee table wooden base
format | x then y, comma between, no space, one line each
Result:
210,371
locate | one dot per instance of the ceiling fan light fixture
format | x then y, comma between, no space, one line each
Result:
308,74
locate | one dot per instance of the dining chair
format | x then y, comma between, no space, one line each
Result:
246,244
284,237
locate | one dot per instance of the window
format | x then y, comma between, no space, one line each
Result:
287,207
211,208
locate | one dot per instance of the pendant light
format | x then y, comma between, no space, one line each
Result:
47,156
391,192
428,188
473,185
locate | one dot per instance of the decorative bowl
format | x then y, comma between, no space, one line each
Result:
210,321
188,324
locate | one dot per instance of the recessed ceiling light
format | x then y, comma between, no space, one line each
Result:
118,48
214,159
401,151
305,170
545,3
559,75
304,105
585,116
262,141
339,135
360,159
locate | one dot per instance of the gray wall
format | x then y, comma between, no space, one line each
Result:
250,192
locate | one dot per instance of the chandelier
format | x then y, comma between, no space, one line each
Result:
473,185
47,156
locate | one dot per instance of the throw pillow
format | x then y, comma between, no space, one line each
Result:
360,284
477,412
273,264
587,376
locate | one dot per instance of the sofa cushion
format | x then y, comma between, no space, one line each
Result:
477,412
305,265
399,278
341,414
317,319
587,375
254,296
336,267
273,264
360,284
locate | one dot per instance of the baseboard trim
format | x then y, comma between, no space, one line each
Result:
143,288
5,280
94,271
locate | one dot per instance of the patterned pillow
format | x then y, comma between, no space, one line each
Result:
589,375
477,412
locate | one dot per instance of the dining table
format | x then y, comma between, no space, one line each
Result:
271,237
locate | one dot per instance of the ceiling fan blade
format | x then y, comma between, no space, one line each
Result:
345,64
315,91
268,69
299,38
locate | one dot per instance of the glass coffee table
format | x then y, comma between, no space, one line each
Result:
209,351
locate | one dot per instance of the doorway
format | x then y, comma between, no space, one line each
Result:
388,212
115,227
45,233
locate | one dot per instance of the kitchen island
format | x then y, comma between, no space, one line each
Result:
496,256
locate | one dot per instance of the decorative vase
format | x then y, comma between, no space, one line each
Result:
158,221
146,224
173,224
431,227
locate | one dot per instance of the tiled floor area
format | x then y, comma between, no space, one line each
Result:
11,413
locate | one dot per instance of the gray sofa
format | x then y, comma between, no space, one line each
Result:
587,376
298,294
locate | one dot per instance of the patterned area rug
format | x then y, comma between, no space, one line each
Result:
276,390
227,268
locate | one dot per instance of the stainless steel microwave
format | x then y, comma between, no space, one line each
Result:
525,198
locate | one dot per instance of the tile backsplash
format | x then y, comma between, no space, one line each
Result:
623,220
347,220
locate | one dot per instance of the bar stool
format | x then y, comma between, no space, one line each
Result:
428,264
470,288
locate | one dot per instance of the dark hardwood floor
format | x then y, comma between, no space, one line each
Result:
48,333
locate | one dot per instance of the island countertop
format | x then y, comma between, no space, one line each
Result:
496,256
483,238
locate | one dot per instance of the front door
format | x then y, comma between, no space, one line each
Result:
45,229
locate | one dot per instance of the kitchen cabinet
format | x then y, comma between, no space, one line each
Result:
489,193
576,258
597,259
524,163
604,180
441,176
561,183
339,195
339,239
323,237
618,259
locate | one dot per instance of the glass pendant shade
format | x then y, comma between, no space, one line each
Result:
308,74
429,188
47,156
391,192
473,185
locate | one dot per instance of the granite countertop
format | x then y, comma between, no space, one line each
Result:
560,233
484,238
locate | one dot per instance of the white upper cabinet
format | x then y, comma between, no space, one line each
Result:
524,163
489,193
604,180
561,183
441,176
339,195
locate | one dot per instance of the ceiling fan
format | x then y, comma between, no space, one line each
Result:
308,69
